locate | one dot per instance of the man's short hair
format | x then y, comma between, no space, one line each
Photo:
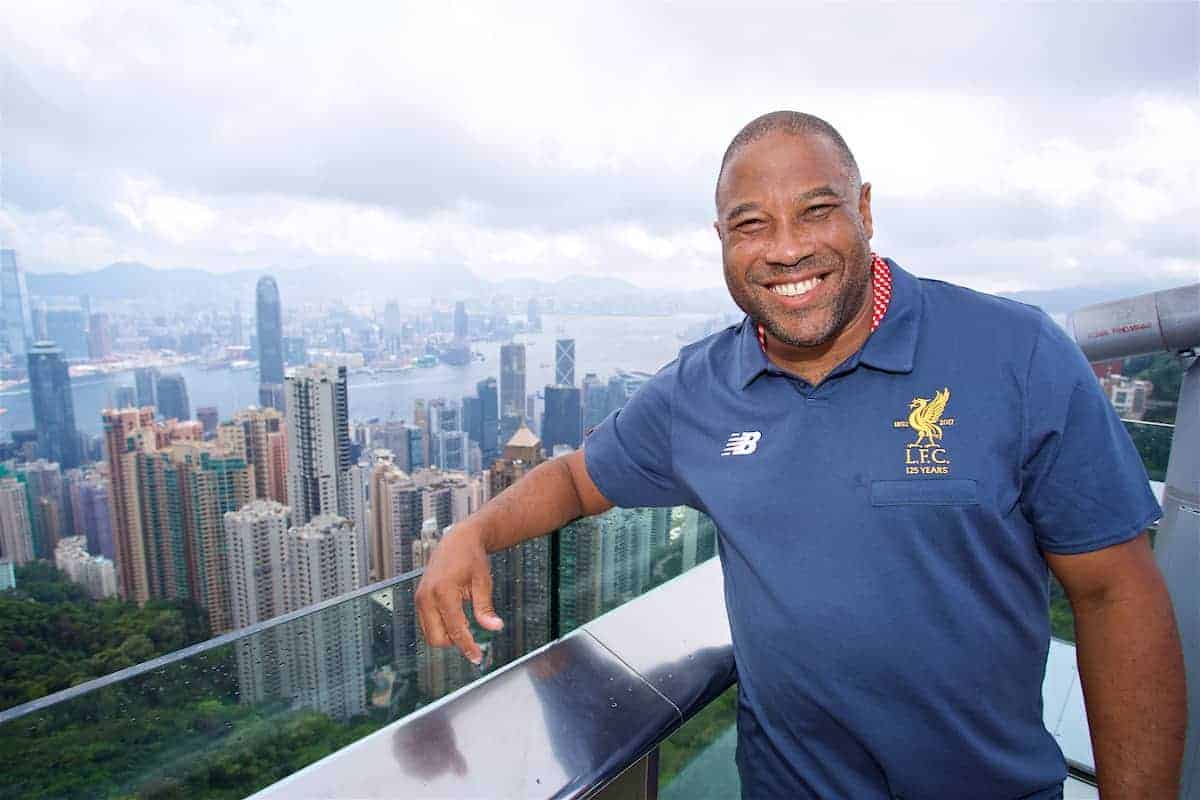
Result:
795,123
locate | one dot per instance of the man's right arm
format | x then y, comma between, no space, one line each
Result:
551,495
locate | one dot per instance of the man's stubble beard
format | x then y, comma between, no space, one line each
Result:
846,305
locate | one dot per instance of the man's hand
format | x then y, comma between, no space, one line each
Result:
553,494
459,570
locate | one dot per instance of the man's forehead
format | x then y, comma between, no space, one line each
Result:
809,160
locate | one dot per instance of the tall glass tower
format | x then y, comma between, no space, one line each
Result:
512,389
53,408
564,362
270,344
16,326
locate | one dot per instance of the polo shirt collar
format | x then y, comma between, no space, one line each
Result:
893,345
891,348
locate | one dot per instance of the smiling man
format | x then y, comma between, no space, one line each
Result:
894,464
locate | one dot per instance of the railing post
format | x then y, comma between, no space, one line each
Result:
555,572
1177,551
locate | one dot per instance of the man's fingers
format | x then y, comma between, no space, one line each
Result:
481,601
432,628
455,623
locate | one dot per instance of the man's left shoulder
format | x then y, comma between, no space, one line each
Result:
950,299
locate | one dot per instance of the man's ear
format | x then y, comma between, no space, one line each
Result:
864,209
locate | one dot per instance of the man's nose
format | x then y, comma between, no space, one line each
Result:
790,245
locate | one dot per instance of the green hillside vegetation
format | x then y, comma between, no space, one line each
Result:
54,636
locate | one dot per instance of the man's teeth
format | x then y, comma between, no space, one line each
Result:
795,289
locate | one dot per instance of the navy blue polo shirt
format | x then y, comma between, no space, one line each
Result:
882,537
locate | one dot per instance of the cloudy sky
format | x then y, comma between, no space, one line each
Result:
1010,147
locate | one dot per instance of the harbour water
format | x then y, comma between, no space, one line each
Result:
602,345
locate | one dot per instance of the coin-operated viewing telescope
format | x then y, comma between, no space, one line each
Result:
1167,321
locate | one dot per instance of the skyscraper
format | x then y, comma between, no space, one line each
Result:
512,389
472,418
270,344
489,420
50,517
53,408
67,327
127,432
16,331
185,490
257,425
318,443
595,401
99,337
396,517
461,324
146,379
16,530
209,418
564,362
325,561
173,397
562,423
533,315
256,545
95,521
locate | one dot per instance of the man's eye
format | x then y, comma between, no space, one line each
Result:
818,211
749,224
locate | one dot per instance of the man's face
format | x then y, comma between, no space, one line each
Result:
795,235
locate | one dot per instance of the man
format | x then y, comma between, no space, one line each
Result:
892,464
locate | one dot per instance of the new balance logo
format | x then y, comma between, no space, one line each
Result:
742,444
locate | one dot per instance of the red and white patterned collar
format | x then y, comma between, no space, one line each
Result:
881,296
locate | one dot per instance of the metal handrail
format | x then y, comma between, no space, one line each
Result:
16,712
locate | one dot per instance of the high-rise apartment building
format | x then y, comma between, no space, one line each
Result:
16,322
53,407
146,380
96,574
256,427
185,489
401,502
127,432
330,648
318,661
16,530
256,541
562,423
318,443
173,397
94,520
269,317
564,362
48,502
512,389
256,547
521,573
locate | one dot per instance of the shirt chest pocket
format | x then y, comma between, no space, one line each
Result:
944,492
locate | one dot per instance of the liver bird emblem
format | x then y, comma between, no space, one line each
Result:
924,416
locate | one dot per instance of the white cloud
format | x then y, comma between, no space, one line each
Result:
565,139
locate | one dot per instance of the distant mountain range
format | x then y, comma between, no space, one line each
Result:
173,287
